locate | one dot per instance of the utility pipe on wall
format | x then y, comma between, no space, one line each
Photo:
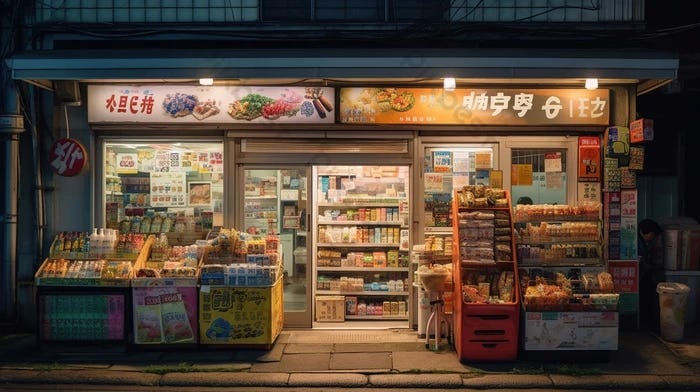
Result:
11,125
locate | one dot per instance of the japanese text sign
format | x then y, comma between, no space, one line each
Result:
589,165
625,275
210,104
68,157
474,106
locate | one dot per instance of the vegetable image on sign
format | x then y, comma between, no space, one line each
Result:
68,157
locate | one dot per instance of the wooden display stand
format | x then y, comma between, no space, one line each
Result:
486,329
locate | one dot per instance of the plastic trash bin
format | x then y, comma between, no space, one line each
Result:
673,298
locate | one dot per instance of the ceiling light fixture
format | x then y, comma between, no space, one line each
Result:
449,84
206,81
591,84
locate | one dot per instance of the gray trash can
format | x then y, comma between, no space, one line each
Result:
673,298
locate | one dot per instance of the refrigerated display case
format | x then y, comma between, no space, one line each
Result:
361,244
261,205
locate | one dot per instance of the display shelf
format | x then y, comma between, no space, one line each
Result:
377,318
565,283
365,204
356,245
363,293
362,269
486,290
360,245
359,223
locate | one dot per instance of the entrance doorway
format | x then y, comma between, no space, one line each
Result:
275,201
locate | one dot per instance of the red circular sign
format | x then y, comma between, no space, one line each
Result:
68,157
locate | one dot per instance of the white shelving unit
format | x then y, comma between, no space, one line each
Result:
360,251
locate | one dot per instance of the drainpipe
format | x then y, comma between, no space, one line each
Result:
11,126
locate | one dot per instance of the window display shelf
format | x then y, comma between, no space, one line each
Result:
359,223
355,245
363,293
362,269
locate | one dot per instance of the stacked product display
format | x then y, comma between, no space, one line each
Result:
361,248
240,297
164,294
568,295
487,301
82,287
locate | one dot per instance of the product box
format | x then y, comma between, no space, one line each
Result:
617,144
249,316
330,309
641,130
82,317
165,314
583,331
351,305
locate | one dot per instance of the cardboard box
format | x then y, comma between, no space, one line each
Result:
330,309
641,130
240,315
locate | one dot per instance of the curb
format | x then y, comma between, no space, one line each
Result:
350,380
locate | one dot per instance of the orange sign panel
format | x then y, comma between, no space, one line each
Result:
372,105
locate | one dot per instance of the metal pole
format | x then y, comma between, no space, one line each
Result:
11,125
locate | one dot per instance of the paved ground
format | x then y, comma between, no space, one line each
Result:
356,359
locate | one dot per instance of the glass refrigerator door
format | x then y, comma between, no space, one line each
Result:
275,202
445,169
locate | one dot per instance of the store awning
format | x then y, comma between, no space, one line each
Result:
645,68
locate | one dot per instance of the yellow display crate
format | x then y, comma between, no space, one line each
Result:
241,315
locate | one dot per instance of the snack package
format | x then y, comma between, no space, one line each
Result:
147,320
176,323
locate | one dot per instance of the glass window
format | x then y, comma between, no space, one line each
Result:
538,176
164,187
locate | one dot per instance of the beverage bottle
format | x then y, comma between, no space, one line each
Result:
101,242
57,245
93,249
67,242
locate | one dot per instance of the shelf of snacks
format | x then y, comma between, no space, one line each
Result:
558,235
487,299
86,299
240,296
112,266
564,280
164,294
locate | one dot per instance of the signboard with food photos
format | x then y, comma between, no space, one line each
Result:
210,104
474,106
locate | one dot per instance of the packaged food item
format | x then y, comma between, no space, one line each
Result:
605,282
149,327
176,323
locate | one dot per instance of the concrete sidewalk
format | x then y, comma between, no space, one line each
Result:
343,359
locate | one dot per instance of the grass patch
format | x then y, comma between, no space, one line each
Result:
573,370
182,367
185,367
532,370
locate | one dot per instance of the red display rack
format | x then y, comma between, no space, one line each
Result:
487,288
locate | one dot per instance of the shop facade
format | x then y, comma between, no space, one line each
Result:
370,171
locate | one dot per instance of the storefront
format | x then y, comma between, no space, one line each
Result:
350,177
